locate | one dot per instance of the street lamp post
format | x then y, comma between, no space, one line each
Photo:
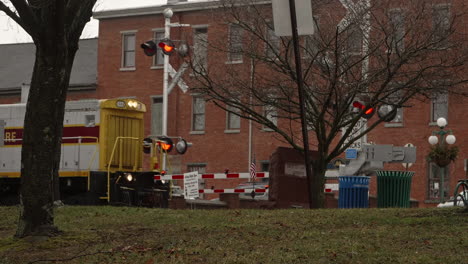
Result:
434,140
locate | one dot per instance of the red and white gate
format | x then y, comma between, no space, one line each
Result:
219,176
212,176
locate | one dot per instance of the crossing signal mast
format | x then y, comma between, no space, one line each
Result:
168,47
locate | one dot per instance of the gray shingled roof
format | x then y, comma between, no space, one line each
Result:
17,61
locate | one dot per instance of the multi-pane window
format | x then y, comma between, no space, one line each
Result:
439,106
233,119
158,58
310,46
394,99
198,114
128,50
438,182
399,116
273,45
311,42
235,43
200,167
265,165
354,38
397,23
200,49
441,25
271,114
156,116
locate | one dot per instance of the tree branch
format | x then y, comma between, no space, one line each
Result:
77,14
28,20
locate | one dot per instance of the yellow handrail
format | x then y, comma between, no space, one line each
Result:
117,140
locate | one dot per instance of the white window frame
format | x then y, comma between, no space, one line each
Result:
270,112
195,114
123,64
443,27
434,182
199,167
399,118
311,42
398,29
159,54
272,47
440,98
231,116
235,44
200,49
155,125
354,34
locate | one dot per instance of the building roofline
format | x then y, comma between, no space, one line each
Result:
32,43
157,10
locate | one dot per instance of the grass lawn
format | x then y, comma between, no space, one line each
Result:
108,234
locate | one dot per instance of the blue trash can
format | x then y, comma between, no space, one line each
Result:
353,192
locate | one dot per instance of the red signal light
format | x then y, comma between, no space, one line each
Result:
358,105
368,113
167,46
165,144
166,147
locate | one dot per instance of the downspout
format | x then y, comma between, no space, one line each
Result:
250,120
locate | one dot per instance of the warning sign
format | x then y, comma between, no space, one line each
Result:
191,185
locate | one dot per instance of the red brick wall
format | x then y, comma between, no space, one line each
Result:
219,150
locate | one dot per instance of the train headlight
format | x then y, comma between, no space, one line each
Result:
132,104
129,177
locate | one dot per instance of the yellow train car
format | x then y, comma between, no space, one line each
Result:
101,155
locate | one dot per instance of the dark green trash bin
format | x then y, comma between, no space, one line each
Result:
393,188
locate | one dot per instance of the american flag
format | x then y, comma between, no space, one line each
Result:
253,171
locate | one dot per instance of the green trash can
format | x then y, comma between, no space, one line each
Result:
393,188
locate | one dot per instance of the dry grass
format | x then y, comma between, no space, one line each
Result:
148,236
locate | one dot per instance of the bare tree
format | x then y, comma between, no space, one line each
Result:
379,52
55,27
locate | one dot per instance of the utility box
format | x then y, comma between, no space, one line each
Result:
288,181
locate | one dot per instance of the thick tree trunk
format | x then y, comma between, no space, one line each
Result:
43,128
319,168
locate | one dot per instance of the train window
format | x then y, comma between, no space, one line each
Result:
90,120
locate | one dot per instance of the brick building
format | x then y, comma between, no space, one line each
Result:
221,140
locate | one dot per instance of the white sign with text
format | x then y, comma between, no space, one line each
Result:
191,185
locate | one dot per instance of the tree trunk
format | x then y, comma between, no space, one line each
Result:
43,128
318,184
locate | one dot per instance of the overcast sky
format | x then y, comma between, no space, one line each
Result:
10,32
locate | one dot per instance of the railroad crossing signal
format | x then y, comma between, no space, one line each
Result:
149,48
167,46
368,111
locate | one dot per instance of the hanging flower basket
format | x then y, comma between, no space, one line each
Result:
442,155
